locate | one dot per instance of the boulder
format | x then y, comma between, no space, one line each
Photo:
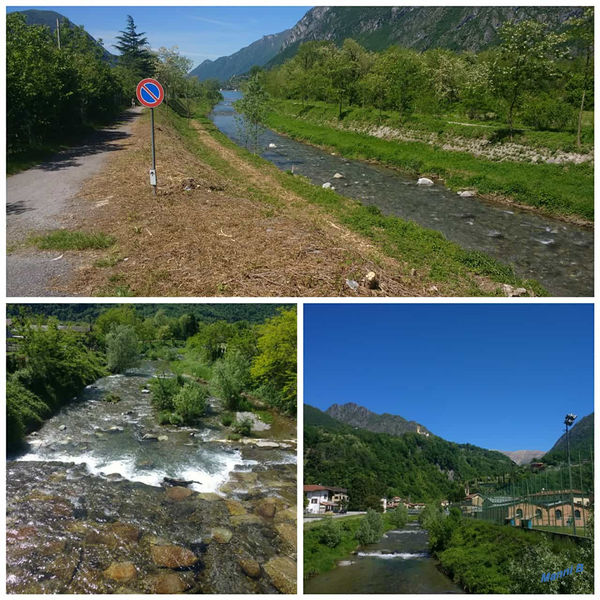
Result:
466,194
266,508
288,533
327,186
221,535
178,493
62,427
150,437
282,571
272,145
124,571
338,176
241,520
424,181
173,557
145,391
125,531
235,508
250,567
169,583
163,438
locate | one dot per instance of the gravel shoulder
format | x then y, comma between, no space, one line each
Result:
44,198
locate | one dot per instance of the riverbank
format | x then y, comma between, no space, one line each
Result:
226,222
107,500
563,190
488,558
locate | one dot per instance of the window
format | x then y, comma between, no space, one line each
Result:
519,513
538,513
558,513
577,514
314,500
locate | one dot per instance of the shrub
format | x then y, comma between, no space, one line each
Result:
243,427
111,397
231,376
398,517
330,533
190,402
549,113
163,391
226,419
370,528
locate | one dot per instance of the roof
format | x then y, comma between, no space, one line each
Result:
321,488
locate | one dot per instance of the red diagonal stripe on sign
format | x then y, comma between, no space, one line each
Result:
149,92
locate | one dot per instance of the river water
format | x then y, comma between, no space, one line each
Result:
398,564
89,495
557,254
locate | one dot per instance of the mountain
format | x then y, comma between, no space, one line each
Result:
523,457
372,465
581,441
361,417
258,53
471,28
49,17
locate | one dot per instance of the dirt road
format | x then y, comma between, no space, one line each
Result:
44,198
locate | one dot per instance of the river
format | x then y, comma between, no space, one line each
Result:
557,254
89,511
398,564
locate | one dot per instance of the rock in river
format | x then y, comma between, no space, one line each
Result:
221,535
124,571
424,181
177,493
169,583
282,571
173,557
250,567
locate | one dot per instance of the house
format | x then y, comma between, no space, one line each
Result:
323,499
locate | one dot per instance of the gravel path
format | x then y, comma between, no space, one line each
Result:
44,198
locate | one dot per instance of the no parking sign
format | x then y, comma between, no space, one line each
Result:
150,93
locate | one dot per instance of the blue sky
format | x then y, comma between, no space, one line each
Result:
200,32
498,376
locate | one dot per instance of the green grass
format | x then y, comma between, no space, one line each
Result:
62,239
428,251
190,364
566,190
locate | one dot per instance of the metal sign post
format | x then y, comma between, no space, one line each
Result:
150,93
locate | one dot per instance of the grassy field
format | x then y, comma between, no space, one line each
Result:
423,249
63,239
561,190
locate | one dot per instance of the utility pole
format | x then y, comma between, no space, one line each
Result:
569,420
58,31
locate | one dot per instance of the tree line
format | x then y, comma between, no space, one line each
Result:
535,76
54,91
49,364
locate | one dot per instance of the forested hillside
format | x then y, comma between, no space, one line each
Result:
374,465
253,313
581,441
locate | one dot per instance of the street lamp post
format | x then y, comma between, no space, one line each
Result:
569,420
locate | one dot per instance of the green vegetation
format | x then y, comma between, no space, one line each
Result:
359,461
48,364
558,189
581,441
370,528
424,249
63,239
536,84
49,369
122,348
56,95
488,558
253,106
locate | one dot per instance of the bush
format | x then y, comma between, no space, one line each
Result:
370,528
549,113
111,397
243,427
163,391
398,517
330,533
190,402
226,419
231,376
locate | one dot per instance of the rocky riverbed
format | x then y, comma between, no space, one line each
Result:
100,507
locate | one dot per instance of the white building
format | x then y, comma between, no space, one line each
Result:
323,499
